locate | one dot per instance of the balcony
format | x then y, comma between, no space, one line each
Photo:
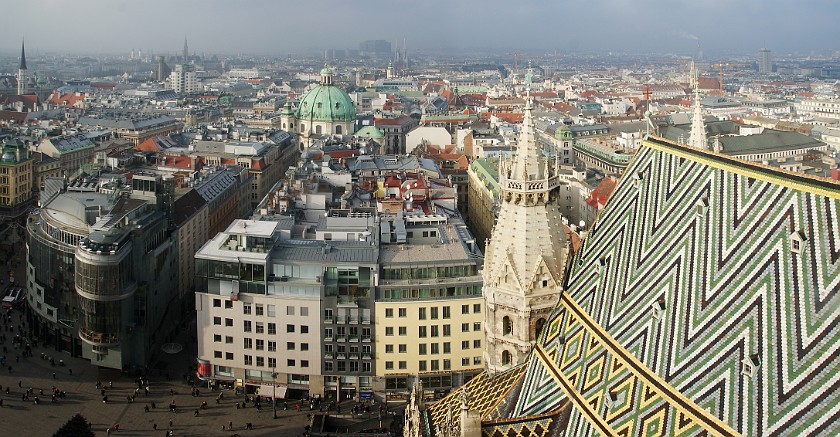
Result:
341,356
367,356
354,356
328,319
366,339
98,338
328,338
354,338
328,355
341,338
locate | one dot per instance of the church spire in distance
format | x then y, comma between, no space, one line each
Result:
22,56
697,137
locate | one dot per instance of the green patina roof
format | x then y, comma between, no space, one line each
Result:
372,132
326,103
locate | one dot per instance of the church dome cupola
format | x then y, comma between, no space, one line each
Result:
326,76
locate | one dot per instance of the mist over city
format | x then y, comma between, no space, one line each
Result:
420,218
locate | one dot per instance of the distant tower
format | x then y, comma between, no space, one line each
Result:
389,73
765,62
23,77
526,255
697,137
186,51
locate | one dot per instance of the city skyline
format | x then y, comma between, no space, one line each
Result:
714,27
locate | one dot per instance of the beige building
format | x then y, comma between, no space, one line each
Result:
15,180
429,310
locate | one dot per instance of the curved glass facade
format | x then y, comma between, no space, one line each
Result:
103,281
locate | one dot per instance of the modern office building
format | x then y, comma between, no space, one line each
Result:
101,269
765,61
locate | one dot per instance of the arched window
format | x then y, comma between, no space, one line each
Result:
318,129
507,358
507,326
338,130
538,327
302,127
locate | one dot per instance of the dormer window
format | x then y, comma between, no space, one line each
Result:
701,207
638,177
797,241
750,365
657,309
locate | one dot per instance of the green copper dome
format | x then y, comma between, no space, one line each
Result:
326,102
370,132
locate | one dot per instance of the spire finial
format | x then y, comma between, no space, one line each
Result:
22,55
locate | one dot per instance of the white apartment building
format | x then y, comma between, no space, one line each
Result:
183,79
818,108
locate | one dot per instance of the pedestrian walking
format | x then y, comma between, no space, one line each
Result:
53,375
154,426
195,414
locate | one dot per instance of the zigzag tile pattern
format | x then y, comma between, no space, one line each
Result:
708,240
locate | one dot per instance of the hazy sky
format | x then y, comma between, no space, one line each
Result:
279,27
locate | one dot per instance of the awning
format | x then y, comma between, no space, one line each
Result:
268,391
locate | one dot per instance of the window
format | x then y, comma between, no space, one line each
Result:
423,349
465,344
389,330
422,315
447,347
271,310
389,348
403,330
403,365
506,358
304,346
465,327
447,313
260,328
217,321
260,344
290,328
476,344
435,331
290,362
477,308
260,361
422,332
304,363
228,355
228,339
465,309
304,311
465,361
341,367
328,315
217,354
304,329
389,312
272,328
434,313
435,348
228,322
228,304
272,346
389,365
476,360
260,309
272,362
447,364
249,360
477,326
507,326
247,325
422,366
290,310
328,366
246,308
403,348
290,345
247,343
217,303
447,330
217,338
403,312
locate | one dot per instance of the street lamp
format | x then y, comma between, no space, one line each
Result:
274,394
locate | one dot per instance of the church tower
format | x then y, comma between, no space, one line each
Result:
697,135
526,255
22,77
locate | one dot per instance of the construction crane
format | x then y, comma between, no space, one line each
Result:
720,78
